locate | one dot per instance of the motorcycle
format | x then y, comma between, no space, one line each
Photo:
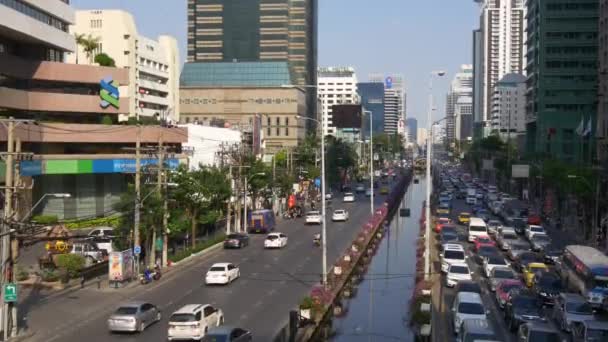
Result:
148,276
316,240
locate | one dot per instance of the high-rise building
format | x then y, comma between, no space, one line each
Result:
509,106
501,40
459,105
477,84
561,75
372,99
394,100
336,85
154,65
412,130
73,151
602,113
421,136
257,31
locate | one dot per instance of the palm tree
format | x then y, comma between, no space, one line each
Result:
89,45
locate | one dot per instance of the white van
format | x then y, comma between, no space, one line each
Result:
477,227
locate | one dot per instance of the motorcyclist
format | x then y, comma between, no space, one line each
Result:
317,239
148,274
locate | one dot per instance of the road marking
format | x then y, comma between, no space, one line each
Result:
258,303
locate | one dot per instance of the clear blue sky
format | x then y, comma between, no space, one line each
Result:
410,37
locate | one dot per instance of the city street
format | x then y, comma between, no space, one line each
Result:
271,283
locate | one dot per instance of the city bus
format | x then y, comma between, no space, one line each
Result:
585,269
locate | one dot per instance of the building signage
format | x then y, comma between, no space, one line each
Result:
31,168
120,266
388,83
258,100
109,93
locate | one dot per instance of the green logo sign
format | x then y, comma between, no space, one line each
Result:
109,93
10,293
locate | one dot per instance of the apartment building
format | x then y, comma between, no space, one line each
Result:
336,85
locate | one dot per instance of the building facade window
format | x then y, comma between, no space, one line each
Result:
268,127
35,13
287,126
278,128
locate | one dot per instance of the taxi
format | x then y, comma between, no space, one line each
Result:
440,222
531,270
464,218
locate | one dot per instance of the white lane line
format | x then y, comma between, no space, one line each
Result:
258,303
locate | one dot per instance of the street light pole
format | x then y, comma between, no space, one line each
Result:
427,253
371,162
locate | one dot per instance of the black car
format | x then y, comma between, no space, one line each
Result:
547,286
468,286
236,240
448,237
523,259
522,306
485,252
518,223
551,254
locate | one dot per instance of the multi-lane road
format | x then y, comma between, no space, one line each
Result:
271,283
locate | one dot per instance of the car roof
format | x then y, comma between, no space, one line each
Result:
135,303
453,247
478,326
221,264
595,324
190,308
469,297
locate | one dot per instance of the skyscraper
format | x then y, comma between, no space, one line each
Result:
255,30
372,99
501,41
459,105
561,94
394,100
412,130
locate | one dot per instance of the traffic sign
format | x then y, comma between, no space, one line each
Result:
10,292
137,250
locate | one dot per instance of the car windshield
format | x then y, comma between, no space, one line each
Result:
504,274
509,287
580,308
448,229
543,336
217,269
487,250
496,261
454,255
471,309
482,212
449,237
465,215
536,229
477,228
339,212
519,247
494,223
525,302
459,269
233,236
126,310
551,283
541,238
597,335
272,237
509,236
215,338
182,317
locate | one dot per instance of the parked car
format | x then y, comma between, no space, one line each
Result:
570,309
133,317
498,274
503,288
522,306
91,253
547,286
193,321
236,240
102,232
458,272
227,334
340,215
537,331
467,305
222,273
493,261
275,240
539,242
313,217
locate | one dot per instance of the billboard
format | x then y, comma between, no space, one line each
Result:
347,116
120,266
520,171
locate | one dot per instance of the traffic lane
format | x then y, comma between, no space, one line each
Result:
187,288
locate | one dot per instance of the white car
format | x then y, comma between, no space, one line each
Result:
349,197
457,272
313,217
453,253
275,240
533,229
339,215
328,196
192,321
492,262
222,273
467,305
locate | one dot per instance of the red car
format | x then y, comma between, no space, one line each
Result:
534,219
503,288
440,223
483,240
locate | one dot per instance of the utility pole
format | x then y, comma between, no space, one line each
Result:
159,189
136,238
228,206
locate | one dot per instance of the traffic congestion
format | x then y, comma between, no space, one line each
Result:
504,276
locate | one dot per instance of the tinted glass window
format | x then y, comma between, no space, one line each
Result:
471,309
477,229
217,269
127,310
459,269
579,308
525,302
503,274
182,317
454,255
272,237
542,336
597,335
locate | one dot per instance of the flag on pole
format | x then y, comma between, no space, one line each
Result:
581,127
587,131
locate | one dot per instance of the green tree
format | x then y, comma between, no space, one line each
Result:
104,60
88,43
340,159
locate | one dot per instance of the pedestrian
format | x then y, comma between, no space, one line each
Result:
82,280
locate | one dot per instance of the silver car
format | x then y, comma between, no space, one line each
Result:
498,274
571,309
133,317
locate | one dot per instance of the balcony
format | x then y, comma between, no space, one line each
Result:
57,102
163,101
153,71
163,87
